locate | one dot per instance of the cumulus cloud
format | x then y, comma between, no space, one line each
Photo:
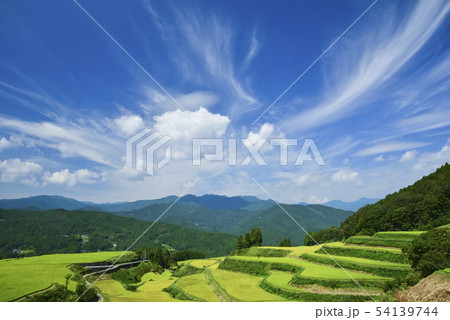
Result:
314,199
302,180
129,124
180,126
265,132
345,175
16,170
65,177
431,161
408,156
4,144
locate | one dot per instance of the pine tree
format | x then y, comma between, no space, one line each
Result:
256,238
240,243
286,242
247,241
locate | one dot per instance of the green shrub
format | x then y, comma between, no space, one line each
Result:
385,271
261,252
257,268
308,296
365,253
186,270
430,251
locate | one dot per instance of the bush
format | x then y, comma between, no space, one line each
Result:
186,270
385,271
365,253
257,268
430,251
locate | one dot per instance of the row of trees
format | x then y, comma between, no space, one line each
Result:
252,239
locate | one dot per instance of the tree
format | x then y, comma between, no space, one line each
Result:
430,251
240,243
256,238
247,241
286,242
67,277
166,258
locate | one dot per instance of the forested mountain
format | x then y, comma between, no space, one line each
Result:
60,231
42,203
421,206
209,200
210,213
273,222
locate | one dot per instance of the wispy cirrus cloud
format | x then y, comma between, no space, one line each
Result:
202,44
384,51
389,147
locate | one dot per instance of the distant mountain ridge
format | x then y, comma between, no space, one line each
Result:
211,213
47,202
351,206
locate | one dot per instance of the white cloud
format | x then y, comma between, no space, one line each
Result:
408,156
431,161
379,158
383,54
4,144
72,139
316,200
16,170
345,175
389,147
129,124
159,102
65,177
302,180
180,126
265,132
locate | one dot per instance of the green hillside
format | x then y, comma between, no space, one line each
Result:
273,222
59,231
422,206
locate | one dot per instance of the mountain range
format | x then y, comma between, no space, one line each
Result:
208,213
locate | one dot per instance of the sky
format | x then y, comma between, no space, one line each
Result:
368,82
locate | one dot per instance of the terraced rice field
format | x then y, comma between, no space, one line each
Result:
197,286
244,287
318,271
151,290
201,263
19,277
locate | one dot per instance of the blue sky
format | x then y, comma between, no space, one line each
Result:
376,103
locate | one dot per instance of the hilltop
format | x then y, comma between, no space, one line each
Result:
421,206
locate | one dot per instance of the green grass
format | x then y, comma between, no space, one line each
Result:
243,286
201,263
19,277
150,291
313,270
398,234
196,286
383,242
367,253
344,245
364,261
282,279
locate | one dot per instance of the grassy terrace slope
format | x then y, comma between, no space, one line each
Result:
399,239
150,289
19,277
313,270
